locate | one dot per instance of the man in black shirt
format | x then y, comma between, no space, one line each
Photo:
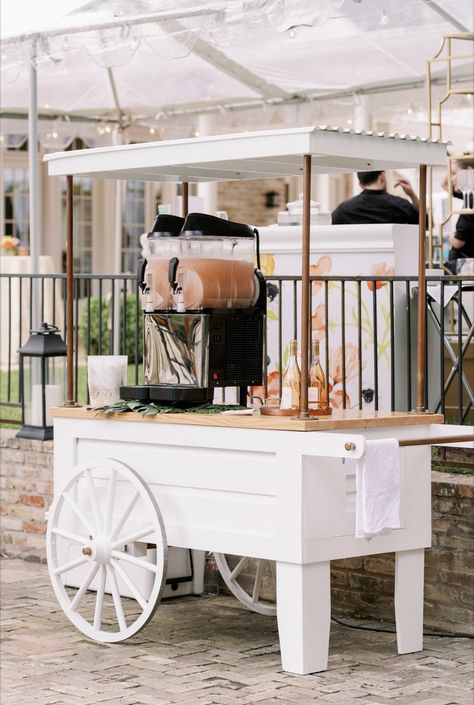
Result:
462,239
375,205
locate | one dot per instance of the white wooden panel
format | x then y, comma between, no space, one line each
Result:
189,466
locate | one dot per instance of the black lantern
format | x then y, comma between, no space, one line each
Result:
42,381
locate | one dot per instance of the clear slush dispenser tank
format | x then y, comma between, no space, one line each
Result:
162,249
217,272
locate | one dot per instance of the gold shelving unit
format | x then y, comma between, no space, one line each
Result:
453,48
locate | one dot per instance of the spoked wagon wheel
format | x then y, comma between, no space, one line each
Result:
93,526
251,580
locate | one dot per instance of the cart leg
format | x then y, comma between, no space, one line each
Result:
409,577
304,616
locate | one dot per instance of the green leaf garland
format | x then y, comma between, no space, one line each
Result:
154,408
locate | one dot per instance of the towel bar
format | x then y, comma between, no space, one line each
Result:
429,441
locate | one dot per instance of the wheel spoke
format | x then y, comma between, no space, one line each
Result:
133,589
237,580
119,526
133,537
239,567
110,501
84,587
99,600
91,489
69,535
75,507
258,581
69,566
116,598
135,561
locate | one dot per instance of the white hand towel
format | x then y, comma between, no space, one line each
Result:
378,488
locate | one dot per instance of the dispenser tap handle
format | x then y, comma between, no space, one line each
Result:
172,269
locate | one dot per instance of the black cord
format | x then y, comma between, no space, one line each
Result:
393,631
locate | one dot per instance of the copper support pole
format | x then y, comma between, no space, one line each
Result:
421,341
305,286
185,199
69,296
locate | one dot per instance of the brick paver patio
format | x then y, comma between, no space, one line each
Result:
203,651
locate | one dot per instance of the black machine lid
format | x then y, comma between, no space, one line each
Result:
211,225
166,225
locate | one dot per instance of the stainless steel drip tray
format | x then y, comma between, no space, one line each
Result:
166,393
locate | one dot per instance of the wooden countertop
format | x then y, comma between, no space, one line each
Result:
339,420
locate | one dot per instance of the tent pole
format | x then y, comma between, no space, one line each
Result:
33,191
69,295
305,255
421,341
117,265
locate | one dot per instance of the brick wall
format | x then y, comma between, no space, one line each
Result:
26,491
360,586
244,201
364,586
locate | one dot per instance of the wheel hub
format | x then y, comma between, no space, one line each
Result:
98,550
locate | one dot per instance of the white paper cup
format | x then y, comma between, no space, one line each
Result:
105,375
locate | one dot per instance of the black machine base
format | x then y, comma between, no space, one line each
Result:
167,393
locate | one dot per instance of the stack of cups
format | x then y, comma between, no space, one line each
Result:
105,375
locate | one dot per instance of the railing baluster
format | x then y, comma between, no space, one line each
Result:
375,350
137,326
112,319
53,298
359,339
441,351
280,350
326,328
408,346
124,332
77,283
42,299
9,378
343,341
295,310
392,347
460,355
100,317
20,328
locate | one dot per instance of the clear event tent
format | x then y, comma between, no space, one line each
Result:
158,65
112,71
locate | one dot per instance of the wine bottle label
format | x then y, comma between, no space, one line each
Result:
313,394
285,398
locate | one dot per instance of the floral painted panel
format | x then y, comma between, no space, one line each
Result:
358,351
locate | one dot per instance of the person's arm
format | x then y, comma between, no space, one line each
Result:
407,187
455,242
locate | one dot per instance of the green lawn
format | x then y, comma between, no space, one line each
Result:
14,413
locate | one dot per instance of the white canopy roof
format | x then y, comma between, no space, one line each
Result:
251,156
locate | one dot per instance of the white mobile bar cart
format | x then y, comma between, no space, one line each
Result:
266,487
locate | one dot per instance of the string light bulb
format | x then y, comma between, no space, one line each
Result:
384,18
